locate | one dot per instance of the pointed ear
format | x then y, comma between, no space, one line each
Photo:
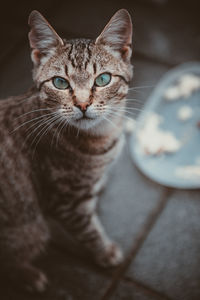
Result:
42,37
118,33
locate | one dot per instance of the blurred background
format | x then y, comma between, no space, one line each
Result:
158,228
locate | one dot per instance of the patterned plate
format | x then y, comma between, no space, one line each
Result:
166,142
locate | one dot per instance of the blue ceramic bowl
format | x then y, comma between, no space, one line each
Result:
179,169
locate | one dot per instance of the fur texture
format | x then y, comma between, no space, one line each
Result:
57,145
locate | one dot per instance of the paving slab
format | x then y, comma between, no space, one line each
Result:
134,292
169,258
127,201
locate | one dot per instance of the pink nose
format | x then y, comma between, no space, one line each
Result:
82,105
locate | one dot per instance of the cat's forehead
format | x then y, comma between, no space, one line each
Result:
80,60
81,52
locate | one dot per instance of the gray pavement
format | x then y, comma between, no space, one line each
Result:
157,228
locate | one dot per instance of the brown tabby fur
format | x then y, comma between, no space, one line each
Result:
53,159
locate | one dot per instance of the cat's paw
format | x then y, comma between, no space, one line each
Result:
111,256
33,280
39,285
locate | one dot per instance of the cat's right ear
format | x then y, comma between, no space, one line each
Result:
117,34
42,37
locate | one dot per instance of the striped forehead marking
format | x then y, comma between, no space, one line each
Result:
80,53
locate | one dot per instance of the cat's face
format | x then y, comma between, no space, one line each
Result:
84,81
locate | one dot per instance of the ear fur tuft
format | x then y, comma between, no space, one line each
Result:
42,36
118,33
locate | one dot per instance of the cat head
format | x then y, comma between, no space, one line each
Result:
83,80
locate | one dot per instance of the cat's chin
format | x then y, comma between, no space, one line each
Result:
85,123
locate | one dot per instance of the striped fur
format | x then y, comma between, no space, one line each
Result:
54,157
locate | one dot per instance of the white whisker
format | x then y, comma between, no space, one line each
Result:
113,124
57,131
119,115
134,112
40,117
41,123
141,87
32,111
49,122
62,126
54,135
135,100
44,130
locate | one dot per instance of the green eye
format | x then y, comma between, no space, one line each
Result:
103,79
60,83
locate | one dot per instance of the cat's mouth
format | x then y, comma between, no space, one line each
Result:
86,118
85,122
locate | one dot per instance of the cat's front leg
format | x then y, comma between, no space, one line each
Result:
106,252
83,223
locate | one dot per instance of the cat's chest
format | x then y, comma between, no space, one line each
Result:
79,162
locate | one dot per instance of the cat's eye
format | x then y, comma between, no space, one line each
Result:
60,83
103,79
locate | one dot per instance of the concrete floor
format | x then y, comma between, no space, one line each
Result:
158,228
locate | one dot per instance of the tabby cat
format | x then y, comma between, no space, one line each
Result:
57,143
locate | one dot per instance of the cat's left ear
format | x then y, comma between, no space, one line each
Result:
42,37
118,33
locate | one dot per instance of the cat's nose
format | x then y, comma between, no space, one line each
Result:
82,106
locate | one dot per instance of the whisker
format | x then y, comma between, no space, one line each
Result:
57,129
127,108
62,127
41,123
141,87
32,111
135,100
44,130
122,111
46,124
134,112
54,135
128,100
38,122
78,131
110,121
119,115
40,117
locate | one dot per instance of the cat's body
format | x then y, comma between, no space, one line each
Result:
58,143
